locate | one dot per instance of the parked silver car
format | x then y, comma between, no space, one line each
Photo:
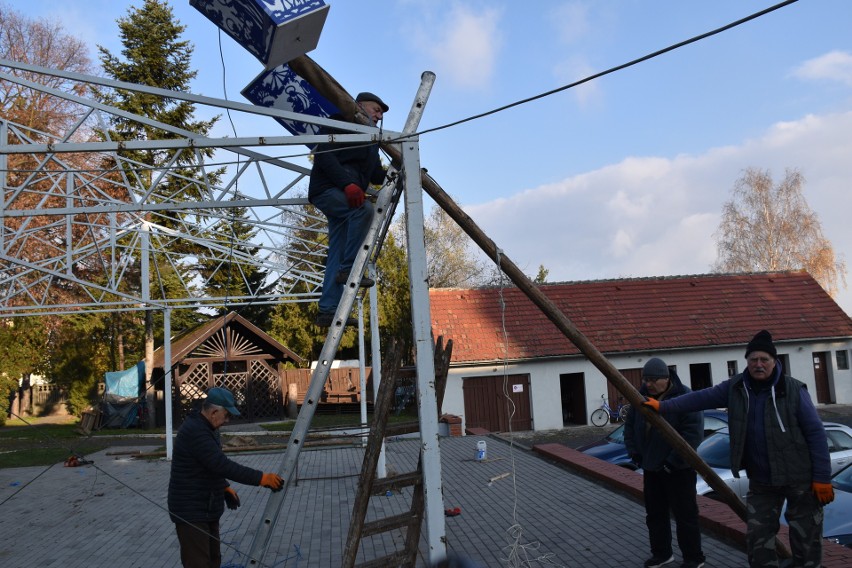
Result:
715,450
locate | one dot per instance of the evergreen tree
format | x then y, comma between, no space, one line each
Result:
291,321
154,54
232,268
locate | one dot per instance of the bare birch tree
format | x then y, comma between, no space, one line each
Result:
769,227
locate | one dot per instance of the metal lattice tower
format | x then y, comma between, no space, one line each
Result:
82,223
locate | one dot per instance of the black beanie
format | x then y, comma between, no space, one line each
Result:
762,341
655,368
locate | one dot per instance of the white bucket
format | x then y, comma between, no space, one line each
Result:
480,450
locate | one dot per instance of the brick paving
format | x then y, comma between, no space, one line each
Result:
113,513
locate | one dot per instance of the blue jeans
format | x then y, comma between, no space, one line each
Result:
346,231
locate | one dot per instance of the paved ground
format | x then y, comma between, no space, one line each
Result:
111,513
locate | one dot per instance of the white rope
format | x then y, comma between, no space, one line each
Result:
518,553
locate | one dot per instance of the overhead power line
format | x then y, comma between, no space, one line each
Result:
614,69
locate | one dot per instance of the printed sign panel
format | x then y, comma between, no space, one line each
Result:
274,31
284,89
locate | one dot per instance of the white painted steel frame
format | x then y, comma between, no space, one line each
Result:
70,196
127,233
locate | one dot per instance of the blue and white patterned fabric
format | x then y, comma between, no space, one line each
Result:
284,89
258,25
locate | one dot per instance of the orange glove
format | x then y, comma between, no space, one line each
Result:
232,500
272,481
354,196
824,492
653,404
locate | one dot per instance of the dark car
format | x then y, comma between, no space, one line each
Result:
837,523
612,449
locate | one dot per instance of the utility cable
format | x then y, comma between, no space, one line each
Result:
613,69
98,469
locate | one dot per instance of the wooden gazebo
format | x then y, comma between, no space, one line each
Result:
228,352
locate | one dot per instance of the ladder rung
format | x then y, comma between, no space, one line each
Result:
394,560
401,428
388,524
396,482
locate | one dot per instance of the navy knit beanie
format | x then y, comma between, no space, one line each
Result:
655,367
762,341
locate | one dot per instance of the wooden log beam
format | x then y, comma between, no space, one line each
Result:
334,92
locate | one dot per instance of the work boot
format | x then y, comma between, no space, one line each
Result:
366,282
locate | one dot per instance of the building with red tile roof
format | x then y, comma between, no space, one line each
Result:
698,324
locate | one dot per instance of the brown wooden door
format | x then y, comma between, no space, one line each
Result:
633,376
823,390
490,401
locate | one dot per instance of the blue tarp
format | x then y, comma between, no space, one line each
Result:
126,384
123,392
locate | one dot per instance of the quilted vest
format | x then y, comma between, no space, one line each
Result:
789,458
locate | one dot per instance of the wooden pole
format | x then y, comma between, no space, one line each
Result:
332,90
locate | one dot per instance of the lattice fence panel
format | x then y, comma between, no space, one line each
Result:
236,383
191,388
265,391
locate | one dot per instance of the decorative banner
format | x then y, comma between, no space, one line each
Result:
274,31
283,89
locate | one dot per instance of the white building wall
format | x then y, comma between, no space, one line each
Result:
546,402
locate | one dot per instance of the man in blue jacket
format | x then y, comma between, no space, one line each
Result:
778,438
198,486
668,481
339,179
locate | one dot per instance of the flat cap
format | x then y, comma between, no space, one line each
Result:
367,96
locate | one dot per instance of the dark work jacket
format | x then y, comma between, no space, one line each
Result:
647,442
199,472
338,165
776,433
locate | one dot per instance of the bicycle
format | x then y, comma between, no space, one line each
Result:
606,413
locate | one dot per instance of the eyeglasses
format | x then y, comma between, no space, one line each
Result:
653,379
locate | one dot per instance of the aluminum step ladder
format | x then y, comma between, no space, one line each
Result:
385,205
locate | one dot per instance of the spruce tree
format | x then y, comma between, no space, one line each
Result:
154,54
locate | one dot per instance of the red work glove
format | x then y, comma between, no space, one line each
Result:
653,404
232,500
354,196
272,481
824,492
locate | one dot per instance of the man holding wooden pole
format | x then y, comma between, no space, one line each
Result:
778,437
668,481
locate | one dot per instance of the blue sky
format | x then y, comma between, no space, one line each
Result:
624,176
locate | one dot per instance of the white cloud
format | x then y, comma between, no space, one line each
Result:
833,66
652,216
463,45
574,69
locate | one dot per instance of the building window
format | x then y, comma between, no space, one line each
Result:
785,363
842,359
732,368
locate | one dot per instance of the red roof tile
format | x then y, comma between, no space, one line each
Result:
638,314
